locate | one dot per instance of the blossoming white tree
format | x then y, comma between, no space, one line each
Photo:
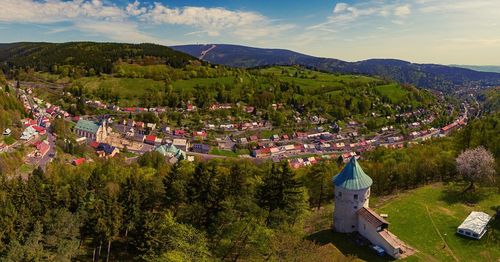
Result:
476,165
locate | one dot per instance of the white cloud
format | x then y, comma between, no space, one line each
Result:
340,7
51,11
402,11
215,21
118,31
134,9
345,15
111,21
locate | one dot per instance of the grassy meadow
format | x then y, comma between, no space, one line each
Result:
426,219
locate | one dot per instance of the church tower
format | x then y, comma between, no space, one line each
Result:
352,192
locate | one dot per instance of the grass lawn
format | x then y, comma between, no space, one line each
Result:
9,140
424,218
243,151
223,153
24,168
393,92
191,83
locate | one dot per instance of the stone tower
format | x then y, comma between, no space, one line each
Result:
352,192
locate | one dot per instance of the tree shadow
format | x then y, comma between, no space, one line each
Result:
348,244
454,193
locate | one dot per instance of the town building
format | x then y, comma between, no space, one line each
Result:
201,148
181,144
92,130
353,214
475,225
28,133
106,150
78,161
172,152
7,132
151,140
42,148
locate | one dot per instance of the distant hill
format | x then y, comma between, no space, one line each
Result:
87,55
439,77
492,69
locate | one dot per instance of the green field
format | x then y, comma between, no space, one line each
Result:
393,92
315,81
225,153
426,219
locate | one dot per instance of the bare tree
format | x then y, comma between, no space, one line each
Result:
476,165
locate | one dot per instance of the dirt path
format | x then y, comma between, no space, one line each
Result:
448,249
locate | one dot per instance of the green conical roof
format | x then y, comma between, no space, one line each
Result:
352,177
161,150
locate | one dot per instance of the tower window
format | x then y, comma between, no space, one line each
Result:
340,194
355,207
355,196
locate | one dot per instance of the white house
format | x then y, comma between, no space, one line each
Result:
353,214
475,225
7,132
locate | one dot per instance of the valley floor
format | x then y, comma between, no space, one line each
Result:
425,218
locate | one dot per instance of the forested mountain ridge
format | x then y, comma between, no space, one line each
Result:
439,77
90,56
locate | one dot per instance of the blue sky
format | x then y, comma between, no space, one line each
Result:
425,31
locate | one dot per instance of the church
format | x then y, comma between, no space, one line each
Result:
353,214
91,130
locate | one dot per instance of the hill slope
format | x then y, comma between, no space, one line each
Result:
493,69
439,77
87,55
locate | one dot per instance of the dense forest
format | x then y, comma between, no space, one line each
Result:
10,108
85,58
201,211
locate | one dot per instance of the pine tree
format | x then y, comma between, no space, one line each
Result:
281,195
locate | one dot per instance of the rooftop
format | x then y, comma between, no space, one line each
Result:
475,222
87,126
352,177
371,217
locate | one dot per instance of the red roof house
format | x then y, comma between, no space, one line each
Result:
40,130
179,132
42,148
94,144
150,139
78,161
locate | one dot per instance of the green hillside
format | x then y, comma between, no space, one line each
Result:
332,96
85,58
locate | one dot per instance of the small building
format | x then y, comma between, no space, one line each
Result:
200,135
7,132
28,133
78,162
179,132
42,148
181,144
40,130
171,151
226,145
201,148
150,140
475,225
107,150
